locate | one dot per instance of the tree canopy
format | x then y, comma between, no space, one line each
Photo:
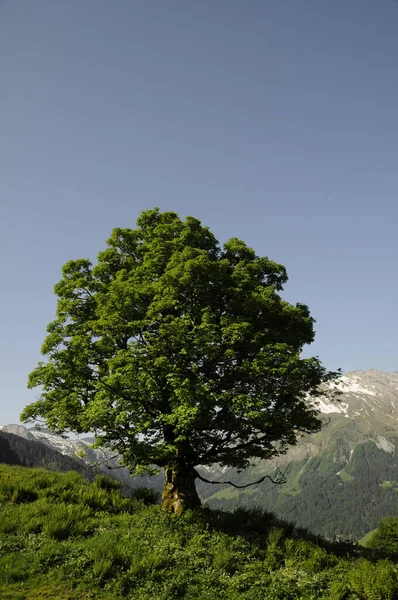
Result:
178,352
385,537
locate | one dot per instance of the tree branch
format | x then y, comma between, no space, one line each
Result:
103,462
214,450
281,478
89,293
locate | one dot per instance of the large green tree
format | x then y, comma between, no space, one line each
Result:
177,352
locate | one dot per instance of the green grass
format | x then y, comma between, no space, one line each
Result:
291,491
229,493
345,476
225,494
64,539
386,484
364,540
291,488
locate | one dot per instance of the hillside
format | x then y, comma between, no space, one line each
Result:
23,449
41,448
63,538
341,481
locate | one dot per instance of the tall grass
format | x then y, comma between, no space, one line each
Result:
63,538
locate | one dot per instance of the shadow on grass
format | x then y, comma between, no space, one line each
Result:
254,525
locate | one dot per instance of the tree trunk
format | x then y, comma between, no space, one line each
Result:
179,492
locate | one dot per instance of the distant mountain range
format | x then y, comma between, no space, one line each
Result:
341,481
42,448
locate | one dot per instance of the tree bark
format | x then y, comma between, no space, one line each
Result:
179,492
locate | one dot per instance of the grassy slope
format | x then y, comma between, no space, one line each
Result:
63,538
363,541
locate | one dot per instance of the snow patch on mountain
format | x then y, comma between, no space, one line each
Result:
366,393
383,444
325,406
352,384
63,444
68,446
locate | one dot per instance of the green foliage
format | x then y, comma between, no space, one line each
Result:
171,346
17,495
106,483
385,537
64,521
140,552
147,495
376,582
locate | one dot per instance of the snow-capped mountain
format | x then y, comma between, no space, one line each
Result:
18,446
63,444
364,393
40,447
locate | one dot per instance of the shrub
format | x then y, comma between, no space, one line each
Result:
107,483
147,495
17,493
64,521
374,582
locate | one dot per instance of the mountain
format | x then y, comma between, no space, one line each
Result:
18,446
340,481
42,448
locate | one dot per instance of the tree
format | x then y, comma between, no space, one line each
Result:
385,537
178,353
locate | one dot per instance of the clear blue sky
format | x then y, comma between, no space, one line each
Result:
272,120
